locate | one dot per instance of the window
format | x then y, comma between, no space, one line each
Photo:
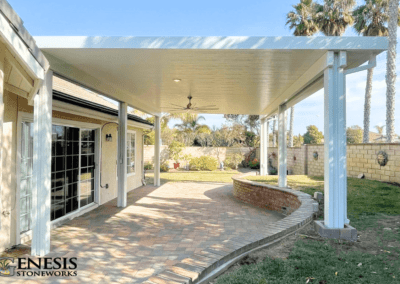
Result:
130,152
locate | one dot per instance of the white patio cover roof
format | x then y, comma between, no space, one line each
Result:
241,75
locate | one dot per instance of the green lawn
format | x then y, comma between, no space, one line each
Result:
366,199
370,204
197,176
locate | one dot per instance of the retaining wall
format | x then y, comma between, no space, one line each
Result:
265,196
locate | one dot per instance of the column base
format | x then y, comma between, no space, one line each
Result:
347,233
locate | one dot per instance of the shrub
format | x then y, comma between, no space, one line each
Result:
203,163
148,166
254,164
233,160
164,167
175,149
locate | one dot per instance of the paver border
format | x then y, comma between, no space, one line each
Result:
212,261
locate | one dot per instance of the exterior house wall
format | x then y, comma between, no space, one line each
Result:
15,104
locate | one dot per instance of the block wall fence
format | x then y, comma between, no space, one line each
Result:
361,159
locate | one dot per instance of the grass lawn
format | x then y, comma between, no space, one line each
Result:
197,176
373,208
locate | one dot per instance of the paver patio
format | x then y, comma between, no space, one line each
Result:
159,227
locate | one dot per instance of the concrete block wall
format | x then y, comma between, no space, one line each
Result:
361,159
220,153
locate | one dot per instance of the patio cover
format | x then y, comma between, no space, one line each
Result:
241,75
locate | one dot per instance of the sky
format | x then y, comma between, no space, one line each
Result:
203,18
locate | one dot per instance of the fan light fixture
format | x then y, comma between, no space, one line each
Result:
177,80
191,107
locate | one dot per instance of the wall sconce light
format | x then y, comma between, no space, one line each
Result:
108,138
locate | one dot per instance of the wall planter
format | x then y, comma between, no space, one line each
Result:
382,158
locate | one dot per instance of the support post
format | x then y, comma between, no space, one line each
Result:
2,83
282,150
335,167
157,147
122,168
264,147
41,192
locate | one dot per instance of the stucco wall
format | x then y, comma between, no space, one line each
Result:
13,104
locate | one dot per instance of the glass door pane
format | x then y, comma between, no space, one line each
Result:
87,167
65,170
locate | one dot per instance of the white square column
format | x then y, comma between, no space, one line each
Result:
264,141
122,168
41,192
282,150
157,148
335,162
2,83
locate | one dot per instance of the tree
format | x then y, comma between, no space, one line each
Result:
274,133
190,127
380,129
298,141
301,20
250,122
354,134
391,69
334,16
313,135
370,19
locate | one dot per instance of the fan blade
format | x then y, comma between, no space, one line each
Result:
200,108
177,105
208,106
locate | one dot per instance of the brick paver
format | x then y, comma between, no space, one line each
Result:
159,228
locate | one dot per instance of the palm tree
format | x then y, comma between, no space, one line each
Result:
190,126
301,20
370,20
391,69
334,16
274,133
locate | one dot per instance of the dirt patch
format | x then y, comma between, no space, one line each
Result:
384,238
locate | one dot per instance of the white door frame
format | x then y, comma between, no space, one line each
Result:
28,117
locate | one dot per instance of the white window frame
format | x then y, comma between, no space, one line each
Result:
28,117
134,133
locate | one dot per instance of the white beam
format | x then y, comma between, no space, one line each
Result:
335,168
282,150
264,147
122,175
19,49
2,83
157,148
41,192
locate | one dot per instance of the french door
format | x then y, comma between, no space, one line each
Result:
72,171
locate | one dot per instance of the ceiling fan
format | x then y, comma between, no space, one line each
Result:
191,107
